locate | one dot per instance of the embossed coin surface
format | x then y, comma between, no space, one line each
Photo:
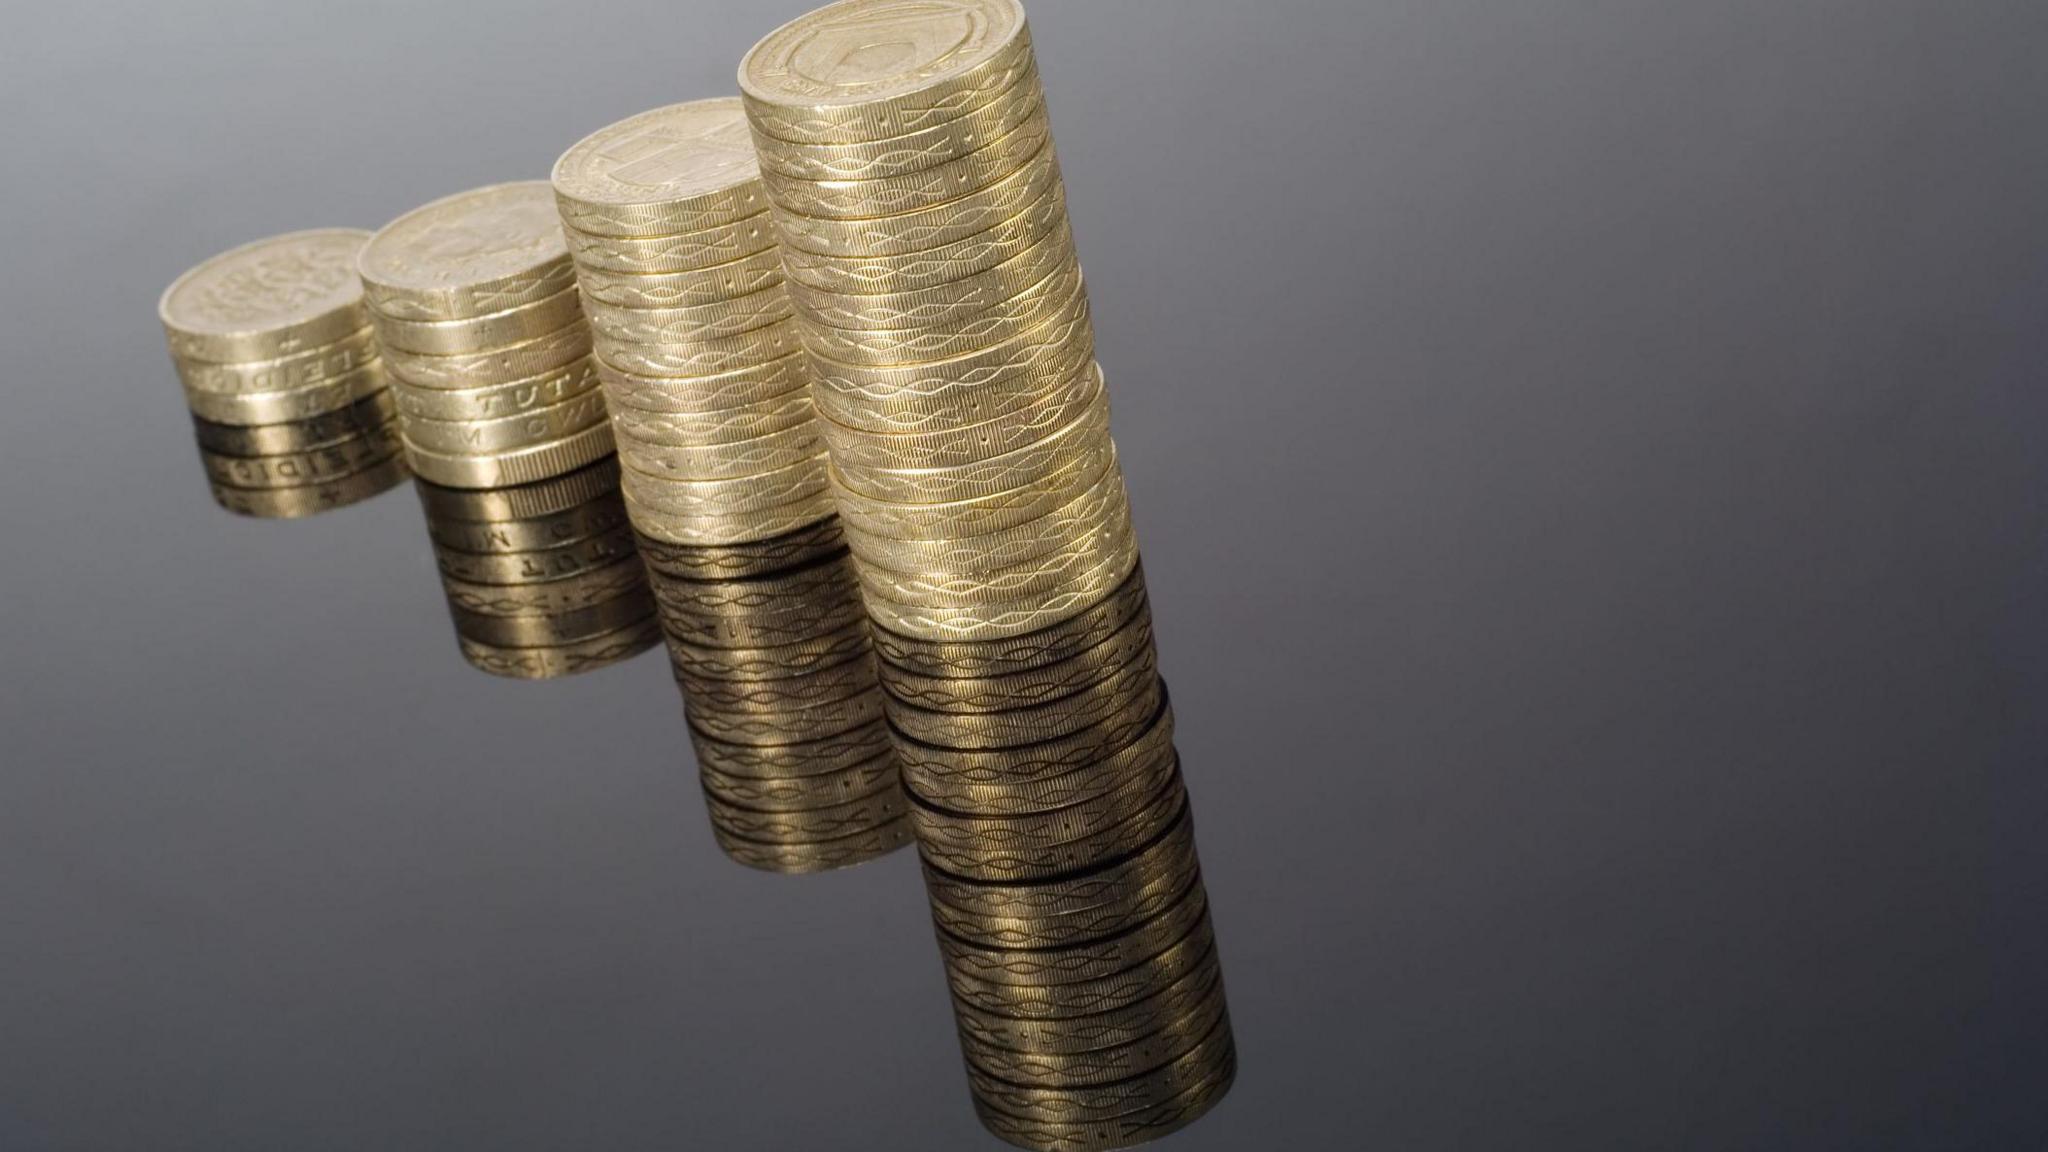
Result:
269,299
470,254
862,52
674,169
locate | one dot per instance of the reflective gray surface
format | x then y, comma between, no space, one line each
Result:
1592,462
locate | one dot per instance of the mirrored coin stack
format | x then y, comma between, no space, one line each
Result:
542,579
909,164
474,300
696,347
290,403
770,647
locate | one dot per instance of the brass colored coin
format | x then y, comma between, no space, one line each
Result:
802,590
1029,796
554,598
801,793
754,382
726,354
311,500
1004,857
712,429
697,322
1103,1065
965,390
252,409
320,365
523,502
943,304
471,254
929,187
797,624
758,493
1106,552
817,855
742,277
854,449
1100,506
1025,465
563,660
1197,978
554,629
784,449
877,68
267,300
519,466
832,682
823,649
1153,1123
729,531
813,721
467,373
934,267
1062,1002
929,228
323,465
980,516
540,565
1028,688
1210,1057
882,806
499,401
688,251
505,537
908,153
1015,767
820,757
484,333
1001,620
1073,910
1031,650
1076,962
682,168
507,433
364,416
956,335
806,545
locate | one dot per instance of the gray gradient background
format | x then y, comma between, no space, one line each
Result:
1592,462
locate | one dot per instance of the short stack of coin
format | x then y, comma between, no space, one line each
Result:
542,579
908,160
696,345
770,647
289,398
474,300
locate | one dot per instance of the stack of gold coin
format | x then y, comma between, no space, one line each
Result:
542,579
695,341
474,300
909,165
289,398
771,649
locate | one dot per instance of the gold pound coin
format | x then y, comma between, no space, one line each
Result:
974,659
1027,464
731,461
471,371
250,409
311,500
979,516
1208,1058
742,277
518,466
717,357
365,415
1029,688
800,793
471,254
953,337
912,191
720,426
751,383
507,433
683,252
482,333
805,545
995,620
553,598
556,661
873,69
968,444
881,806
926,228
597,482
698,322
267,300
299,371
683,168
1087,960
556,628
323,465
799,858
908,153
596,517
500,401
730,531
538,566
933,267
1132,1128
757,493
947,304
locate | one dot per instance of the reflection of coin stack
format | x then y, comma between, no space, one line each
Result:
905,149
475,303
695,342
770,647
542,579
280,368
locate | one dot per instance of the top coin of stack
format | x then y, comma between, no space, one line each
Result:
474,300
681,280
905,149
280,368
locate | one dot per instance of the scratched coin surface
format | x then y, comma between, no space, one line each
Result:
272,298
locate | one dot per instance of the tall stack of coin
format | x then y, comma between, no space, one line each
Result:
474,300
908,160
696,345
542,579
770,646
289,398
